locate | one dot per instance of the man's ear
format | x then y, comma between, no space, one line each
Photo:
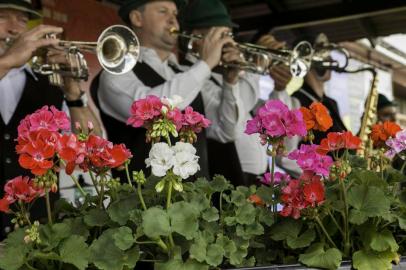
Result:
136,18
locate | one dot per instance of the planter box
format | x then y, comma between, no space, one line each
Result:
344,266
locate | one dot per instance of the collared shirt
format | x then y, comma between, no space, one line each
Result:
11,90
118,92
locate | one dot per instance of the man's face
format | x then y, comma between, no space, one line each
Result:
387,114
156,21
12,24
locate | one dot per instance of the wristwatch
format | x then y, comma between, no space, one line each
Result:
80,102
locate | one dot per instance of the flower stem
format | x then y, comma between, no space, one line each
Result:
325,231
335,222
139,192
346,217
75,181
94,182
169,196
101,205
48,203
127,172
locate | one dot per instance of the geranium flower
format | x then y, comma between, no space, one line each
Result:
309,160
4,205
382,132
22,189
37,157
194,120
275,120
160,159
119,154
339,140
143,110
396,145
185,161
72,151
254,198
317,117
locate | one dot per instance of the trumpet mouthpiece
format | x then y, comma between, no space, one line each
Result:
173,30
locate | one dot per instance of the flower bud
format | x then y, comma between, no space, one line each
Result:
160,186
54,188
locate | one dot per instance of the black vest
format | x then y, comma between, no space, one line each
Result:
36,94
134,138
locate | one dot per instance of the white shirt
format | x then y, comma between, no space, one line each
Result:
222,106
12,88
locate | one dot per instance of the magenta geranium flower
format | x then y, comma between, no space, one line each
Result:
309,160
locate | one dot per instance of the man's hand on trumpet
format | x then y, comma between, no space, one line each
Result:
280,73
212,46
232,55
21,48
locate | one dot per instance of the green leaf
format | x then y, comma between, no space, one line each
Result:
198,249
368,179
402,222
286,228
237,257
183,217
379,241
107,256
219,183
303,240
120,210
176,264
266,216
123,238
52,235
12,258
245,214
238,198
96,218
368,201
155,222
316,256
227,244
215,255
77,226
211,214
75,251
265,193
367,259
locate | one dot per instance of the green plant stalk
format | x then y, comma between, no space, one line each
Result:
335,223
346,220
272,183
127,172
101,198
403,167
94,182
168,204
84,194
324,231
221,208
24,211
48,203
139,192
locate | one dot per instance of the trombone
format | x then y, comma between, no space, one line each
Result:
258,59
117,50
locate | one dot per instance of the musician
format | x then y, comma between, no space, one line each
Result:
313,90
386,109
22,92
199,17
281,76
159,73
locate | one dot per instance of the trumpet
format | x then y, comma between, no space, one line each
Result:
117,50
259,59
321,57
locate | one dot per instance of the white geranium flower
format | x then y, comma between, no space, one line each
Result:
172,102
185,162
161,159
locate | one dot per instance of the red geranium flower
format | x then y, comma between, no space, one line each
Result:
382,132
317,118
22,189
338,140
71,150
37,157
4,205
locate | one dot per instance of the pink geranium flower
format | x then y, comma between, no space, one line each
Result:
143,110
309,160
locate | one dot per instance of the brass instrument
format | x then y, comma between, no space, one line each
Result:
259,59
117,50
369,118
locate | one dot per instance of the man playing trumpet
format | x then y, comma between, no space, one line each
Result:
159,73
22,92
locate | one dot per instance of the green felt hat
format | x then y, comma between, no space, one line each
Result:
130,5
205,13
21,5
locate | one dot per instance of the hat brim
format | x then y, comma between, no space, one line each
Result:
190,26
32,13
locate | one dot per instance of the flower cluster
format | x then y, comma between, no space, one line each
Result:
309,159
306,192
317,117
278,178
21,190
274,120
162,117
41,145
382,132
181,158
397,144
337,141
